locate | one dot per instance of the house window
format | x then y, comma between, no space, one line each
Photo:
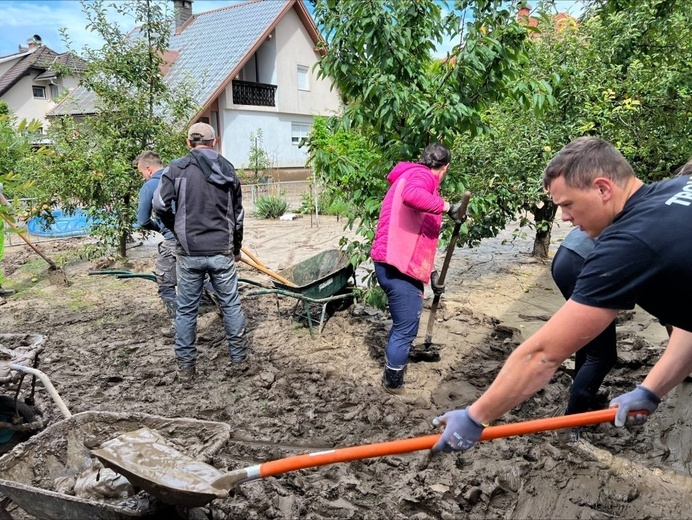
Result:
299,131
39,92
54,92
303,83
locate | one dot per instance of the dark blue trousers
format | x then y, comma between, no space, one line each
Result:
405,297
594,360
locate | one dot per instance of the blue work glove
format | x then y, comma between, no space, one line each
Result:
437,288
461,432
641,398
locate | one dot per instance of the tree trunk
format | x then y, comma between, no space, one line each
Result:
543,217
122,244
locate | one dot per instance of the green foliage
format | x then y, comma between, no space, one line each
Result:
271,206
342,160
328,203
15,148
504,103
90,162
609,78
380,57
400,99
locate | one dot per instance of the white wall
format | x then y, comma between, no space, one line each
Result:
278,60
276,133
295,47
21,101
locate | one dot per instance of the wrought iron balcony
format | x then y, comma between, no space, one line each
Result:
257,94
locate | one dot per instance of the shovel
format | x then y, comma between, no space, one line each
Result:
177,479
429,351
55,274
254,262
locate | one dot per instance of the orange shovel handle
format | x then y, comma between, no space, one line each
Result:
381,449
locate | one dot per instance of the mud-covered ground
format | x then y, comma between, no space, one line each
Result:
104,351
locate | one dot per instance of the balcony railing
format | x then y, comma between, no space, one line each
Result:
257,94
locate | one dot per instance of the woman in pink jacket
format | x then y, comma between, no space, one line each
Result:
404,250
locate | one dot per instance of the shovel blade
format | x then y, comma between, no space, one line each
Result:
427,352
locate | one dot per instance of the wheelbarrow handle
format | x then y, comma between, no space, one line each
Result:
47,383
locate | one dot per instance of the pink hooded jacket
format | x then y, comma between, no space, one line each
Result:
410,220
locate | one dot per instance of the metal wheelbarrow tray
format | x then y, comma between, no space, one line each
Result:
318,280
28,473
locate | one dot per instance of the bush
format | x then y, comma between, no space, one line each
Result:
327,204
271,206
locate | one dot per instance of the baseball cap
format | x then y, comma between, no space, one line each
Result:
201,132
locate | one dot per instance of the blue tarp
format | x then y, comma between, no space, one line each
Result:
75,225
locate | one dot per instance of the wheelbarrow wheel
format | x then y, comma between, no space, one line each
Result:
8,409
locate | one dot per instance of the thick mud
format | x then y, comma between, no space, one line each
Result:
104,351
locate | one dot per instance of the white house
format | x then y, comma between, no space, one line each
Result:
254,64
30,83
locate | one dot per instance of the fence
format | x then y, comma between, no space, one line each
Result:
293,191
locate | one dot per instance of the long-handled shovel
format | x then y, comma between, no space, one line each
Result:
429,351
55,274
165,473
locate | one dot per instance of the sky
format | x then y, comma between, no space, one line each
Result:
21,19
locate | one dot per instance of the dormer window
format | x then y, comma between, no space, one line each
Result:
39,92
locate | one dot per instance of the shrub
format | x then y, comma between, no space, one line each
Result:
271,206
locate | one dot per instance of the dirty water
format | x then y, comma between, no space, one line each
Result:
104,352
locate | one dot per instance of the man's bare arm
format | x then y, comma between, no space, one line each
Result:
531,366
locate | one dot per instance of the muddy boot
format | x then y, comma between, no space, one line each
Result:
186,376
168,332
171,307
393,379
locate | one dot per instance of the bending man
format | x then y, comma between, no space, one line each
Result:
642,257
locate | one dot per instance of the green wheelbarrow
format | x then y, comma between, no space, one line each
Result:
320,280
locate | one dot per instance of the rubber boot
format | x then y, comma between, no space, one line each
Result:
171,307
393,379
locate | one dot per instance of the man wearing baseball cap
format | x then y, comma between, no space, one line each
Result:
199,199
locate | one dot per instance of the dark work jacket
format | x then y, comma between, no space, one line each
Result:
200,200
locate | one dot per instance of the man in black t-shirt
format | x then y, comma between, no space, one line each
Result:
642,256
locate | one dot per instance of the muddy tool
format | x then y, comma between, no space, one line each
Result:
429,351
55,274
174,478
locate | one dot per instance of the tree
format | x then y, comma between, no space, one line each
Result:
15,146
399,98
91,161
620,75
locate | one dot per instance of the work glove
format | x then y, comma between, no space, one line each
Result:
461,432
641,398
437,288
453,213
